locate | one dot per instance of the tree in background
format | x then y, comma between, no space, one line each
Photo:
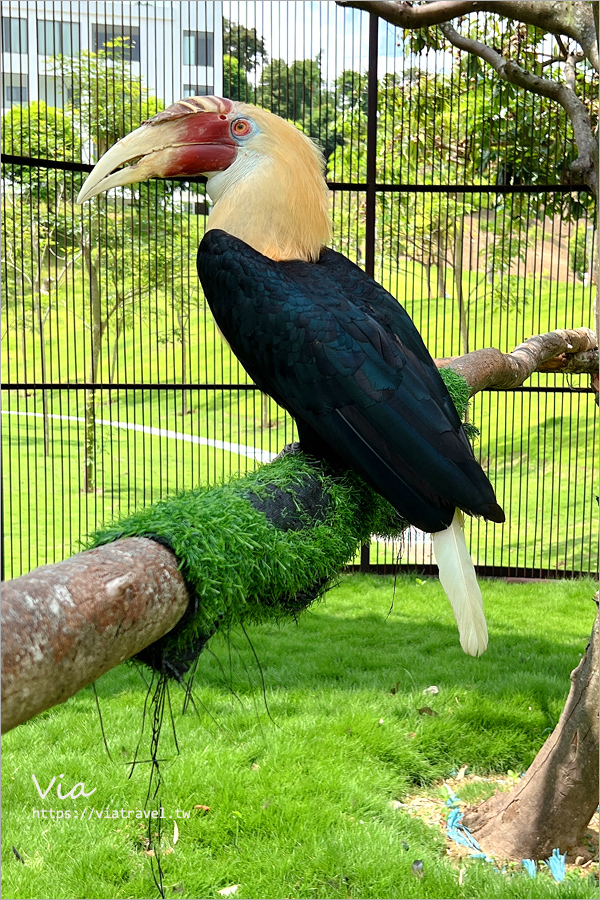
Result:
484,131
108,101
236,85
298,92
244,45
37,246
119,241
243,51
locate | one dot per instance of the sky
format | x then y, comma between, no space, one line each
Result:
299,30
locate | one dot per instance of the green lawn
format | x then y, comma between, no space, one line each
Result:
300,795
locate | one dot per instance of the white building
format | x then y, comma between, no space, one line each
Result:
176,47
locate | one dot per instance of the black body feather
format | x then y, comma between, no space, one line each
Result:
338,352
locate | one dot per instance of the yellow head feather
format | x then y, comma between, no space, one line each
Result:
274,196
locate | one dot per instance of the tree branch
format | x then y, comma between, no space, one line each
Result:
8,262
65,625
587,162
565,350
407,15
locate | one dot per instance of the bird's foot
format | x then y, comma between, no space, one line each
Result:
289,449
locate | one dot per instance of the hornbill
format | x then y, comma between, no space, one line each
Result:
316,333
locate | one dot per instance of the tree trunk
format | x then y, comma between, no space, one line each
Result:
427,267
458,281
553,804
184,394
119,327
24,346
39,318
97,331
441,264
264,418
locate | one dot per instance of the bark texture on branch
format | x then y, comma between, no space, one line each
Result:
553,803
572,350
66,624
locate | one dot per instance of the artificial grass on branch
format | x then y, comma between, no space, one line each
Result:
260,547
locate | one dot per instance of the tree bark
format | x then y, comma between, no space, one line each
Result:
458,281
441,263
264,416
567,349
119,326
97,332
181,320
67,624
552,805
40,321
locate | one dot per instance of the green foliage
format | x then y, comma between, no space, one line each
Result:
109,100
298,92
458,390
244,46
37,239
34,247
460,394
351,91
235,81
580,257
42,132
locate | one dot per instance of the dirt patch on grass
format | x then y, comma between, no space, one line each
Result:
431,808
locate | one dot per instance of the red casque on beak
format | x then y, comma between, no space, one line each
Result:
191,137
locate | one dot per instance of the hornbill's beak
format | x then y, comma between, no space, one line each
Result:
191,137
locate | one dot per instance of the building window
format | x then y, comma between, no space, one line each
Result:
14,35
198,48
54,91
197,90
56,38
16,89
130,34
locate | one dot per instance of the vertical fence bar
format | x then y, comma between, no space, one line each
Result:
371,146
370,211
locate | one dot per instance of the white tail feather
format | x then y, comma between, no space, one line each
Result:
459,581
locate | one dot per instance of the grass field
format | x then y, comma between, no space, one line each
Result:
301,798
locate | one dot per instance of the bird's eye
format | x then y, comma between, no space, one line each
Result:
241,127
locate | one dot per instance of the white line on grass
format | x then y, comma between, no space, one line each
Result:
255,453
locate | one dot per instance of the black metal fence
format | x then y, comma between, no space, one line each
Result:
452,190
